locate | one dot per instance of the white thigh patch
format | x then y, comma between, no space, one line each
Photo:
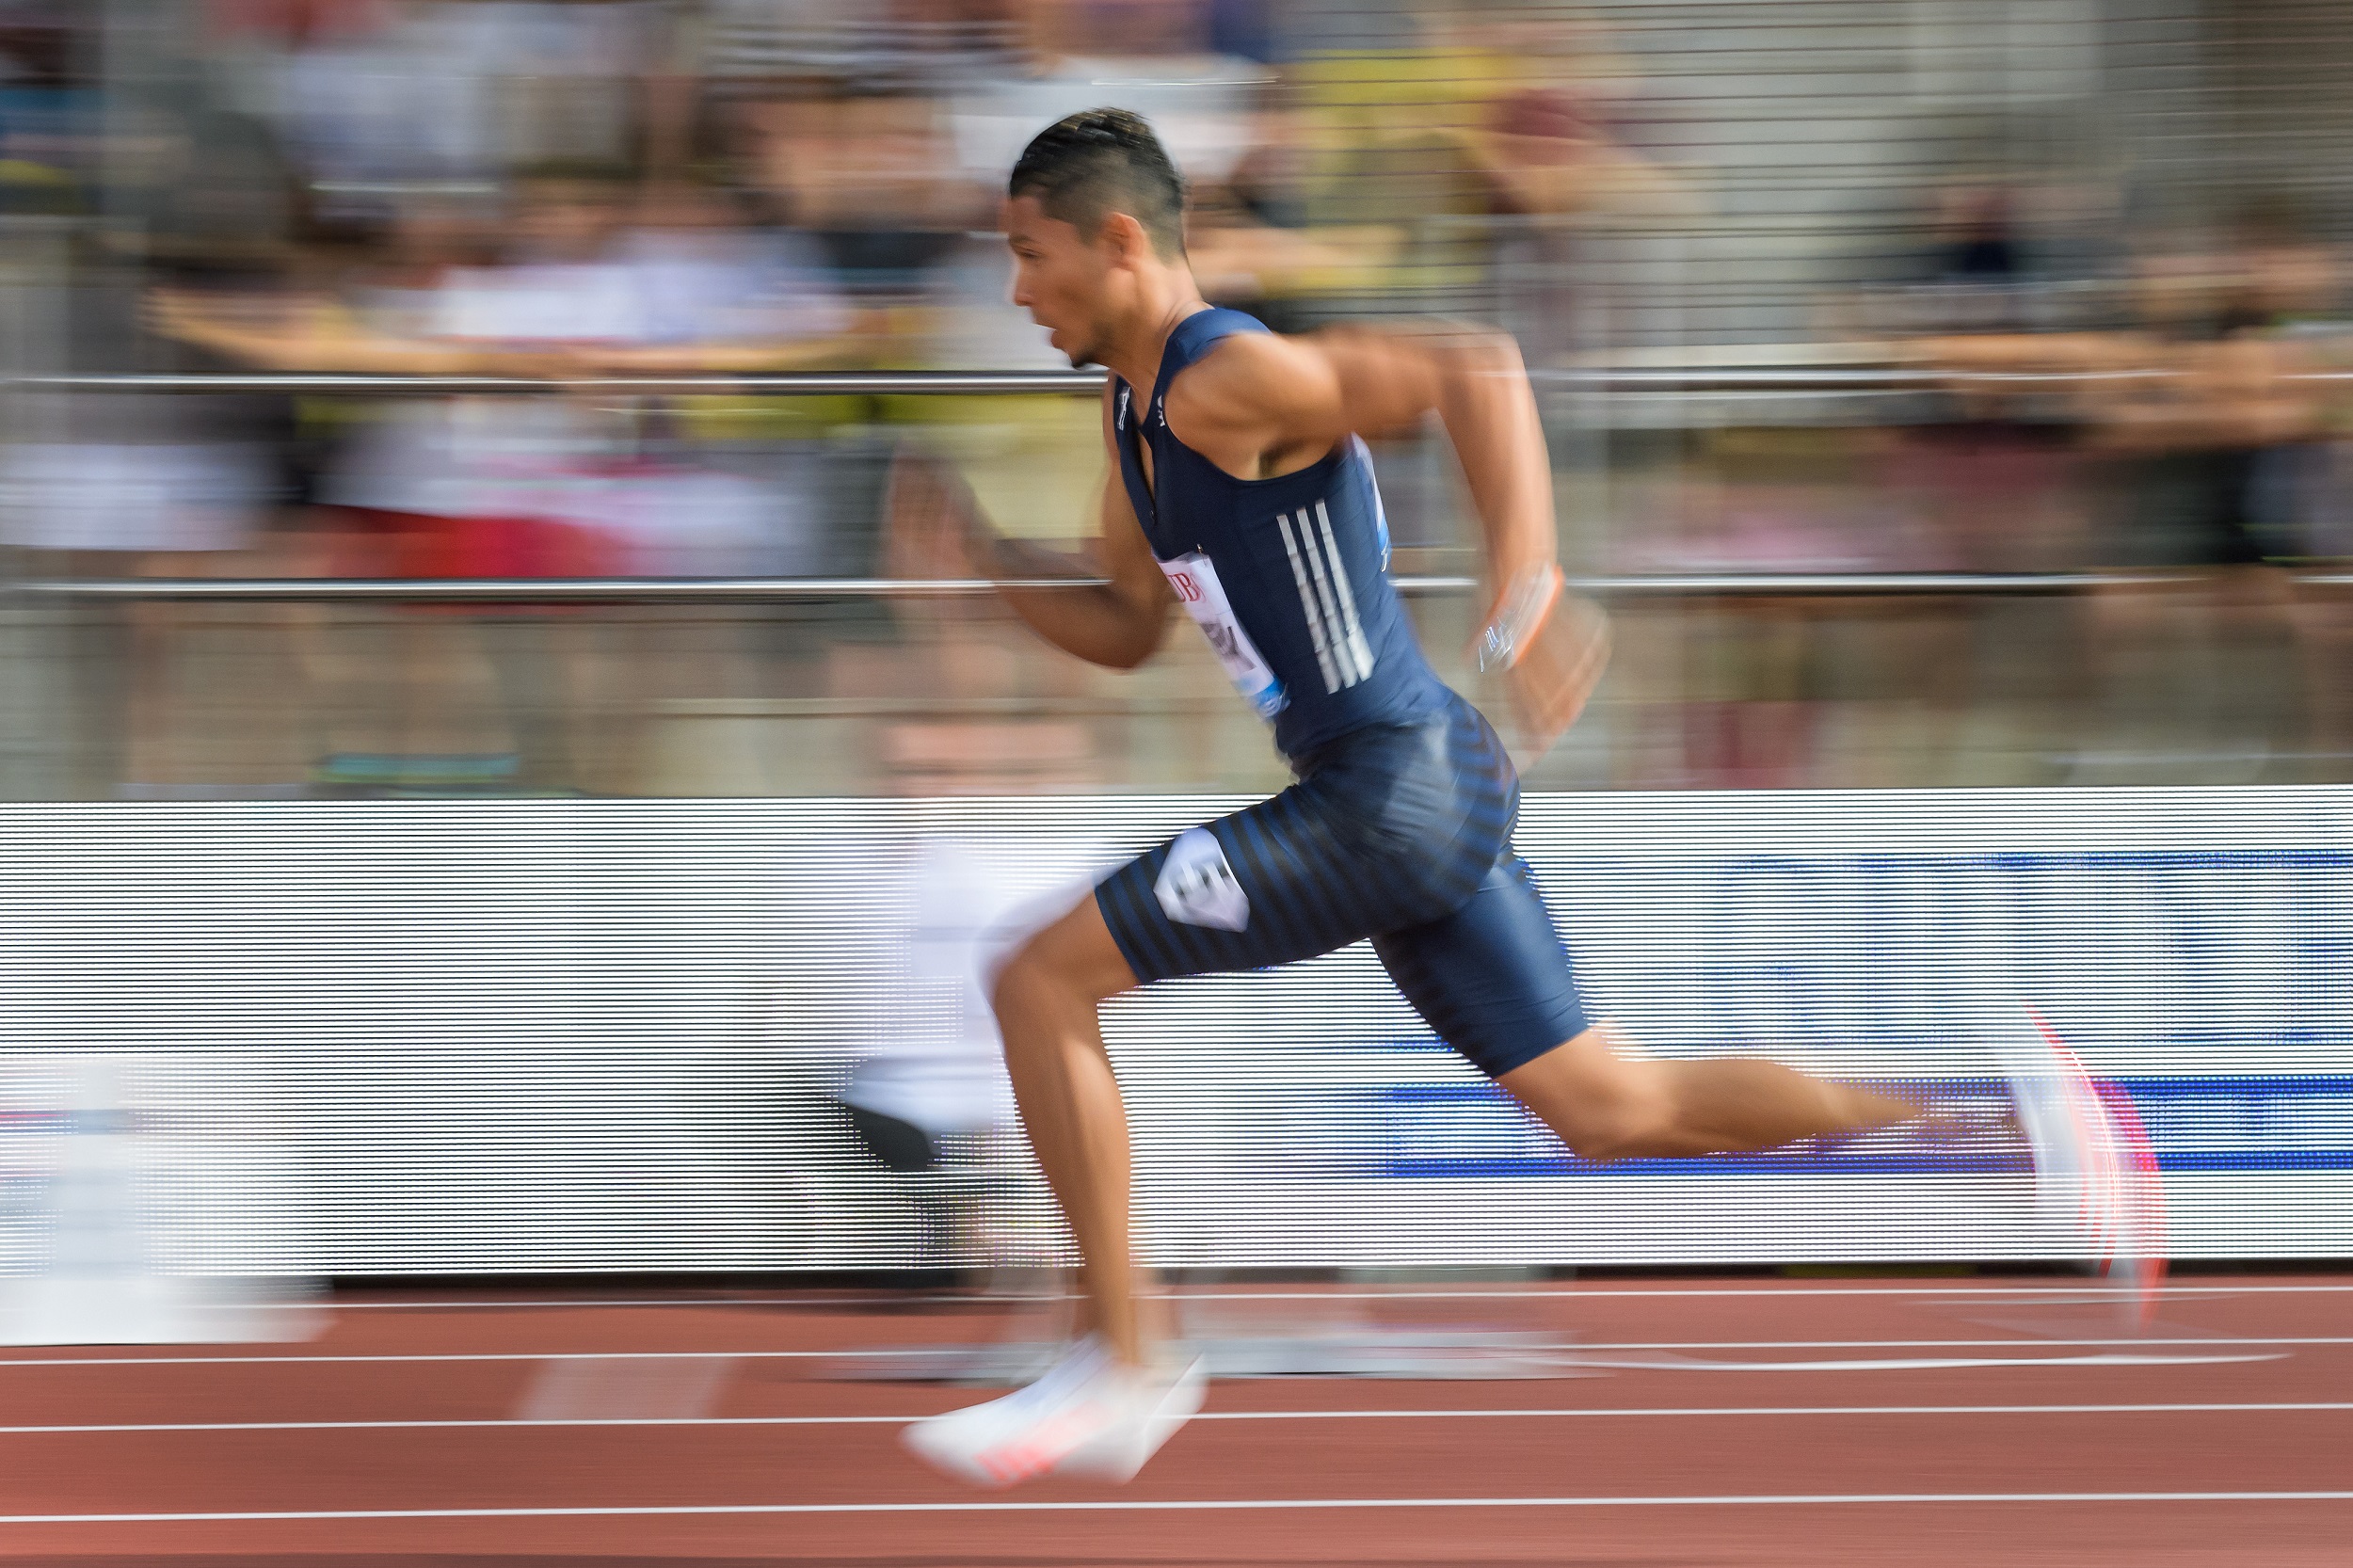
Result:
1198,888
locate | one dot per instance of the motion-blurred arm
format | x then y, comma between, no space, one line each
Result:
1260,395
1115,611
1265,397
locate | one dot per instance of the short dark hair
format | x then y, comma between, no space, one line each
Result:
1103,161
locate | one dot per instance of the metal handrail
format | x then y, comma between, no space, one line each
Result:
1845,379
727,589
800,383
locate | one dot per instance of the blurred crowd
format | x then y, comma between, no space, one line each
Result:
569,193
562,191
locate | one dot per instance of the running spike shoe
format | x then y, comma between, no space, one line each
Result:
1087,1417
2097,1193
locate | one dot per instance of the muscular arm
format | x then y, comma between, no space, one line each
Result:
1267,403
1119,622
1259,396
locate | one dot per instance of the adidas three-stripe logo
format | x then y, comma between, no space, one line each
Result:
1341,651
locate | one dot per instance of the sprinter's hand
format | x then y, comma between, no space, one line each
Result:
1550,646
932,527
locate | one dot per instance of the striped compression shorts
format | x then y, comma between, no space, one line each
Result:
1400,833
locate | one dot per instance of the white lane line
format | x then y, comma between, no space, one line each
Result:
1897,1364
2215,1342
1779,1410
1499,1415
471,1355
1784,1499
2076,1284
2056,1291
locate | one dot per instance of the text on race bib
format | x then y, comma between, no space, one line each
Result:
1194,579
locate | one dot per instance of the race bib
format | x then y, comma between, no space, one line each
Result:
1204,598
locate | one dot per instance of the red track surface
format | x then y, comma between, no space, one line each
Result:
1615,1459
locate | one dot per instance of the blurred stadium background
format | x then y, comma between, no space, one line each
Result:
1948,396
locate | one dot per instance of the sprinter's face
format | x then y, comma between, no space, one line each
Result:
1061,277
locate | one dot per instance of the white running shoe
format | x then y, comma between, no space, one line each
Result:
1088,1417
2096,1183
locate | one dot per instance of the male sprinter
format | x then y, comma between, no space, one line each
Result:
1248,499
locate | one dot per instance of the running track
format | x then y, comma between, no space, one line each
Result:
1737,1422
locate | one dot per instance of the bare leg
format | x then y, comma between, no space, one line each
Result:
1603,1102
1045,999
1609,1105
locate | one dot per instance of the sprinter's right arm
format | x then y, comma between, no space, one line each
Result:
1114,612
1119,622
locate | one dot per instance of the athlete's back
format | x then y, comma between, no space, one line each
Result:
1288,577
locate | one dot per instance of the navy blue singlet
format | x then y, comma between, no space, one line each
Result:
1400,827
1287,577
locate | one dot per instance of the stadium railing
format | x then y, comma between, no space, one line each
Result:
1765,380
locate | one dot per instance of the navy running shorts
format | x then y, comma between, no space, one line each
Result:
1399,833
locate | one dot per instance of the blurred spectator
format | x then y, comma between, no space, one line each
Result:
1980,243
926,1091
933,1062
129,474
378,97
114,483
2216,465
48,110
558,482
2284,316
561,484
873,172
1480,120
2195,443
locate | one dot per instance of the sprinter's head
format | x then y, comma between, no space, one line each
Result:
1093,202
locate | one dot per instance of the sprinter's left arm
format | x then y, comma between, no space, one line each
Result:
1259,396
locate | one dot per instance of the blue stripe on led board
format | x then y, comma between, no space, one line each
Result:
1453,1130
